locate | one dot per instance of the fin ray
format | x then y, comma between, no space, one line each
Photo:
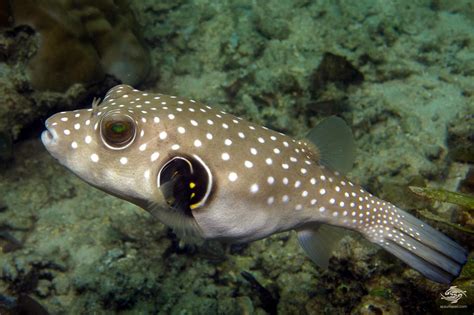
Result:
425,249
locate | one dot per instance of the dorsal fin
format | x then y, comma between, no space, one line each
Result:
335,143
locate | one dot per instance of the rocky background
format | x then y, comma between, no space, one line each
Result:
400,73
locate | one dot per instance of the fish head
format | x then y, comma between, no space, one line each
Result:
100,145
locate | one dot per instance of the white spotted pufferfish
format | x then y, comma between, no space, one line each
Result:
210,175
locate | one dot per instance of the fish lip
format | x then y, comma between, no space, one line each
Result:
49,136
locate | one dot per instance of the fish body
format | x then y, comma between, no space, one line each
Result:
211,175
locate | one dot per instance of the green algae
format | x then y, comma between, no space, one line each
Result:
463,200
442,195
381,292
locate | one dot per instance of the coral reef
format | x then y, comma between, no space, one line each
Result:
80,42
60,54
461,138
81,251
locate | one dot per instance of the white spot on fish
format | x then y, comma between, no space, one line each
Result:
225,156
254,188
270,200
232,176
154,156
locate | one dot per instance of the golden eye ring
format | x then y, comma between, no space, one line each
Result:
117,130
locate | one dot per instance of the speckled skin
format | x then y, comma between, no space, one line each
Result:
263,182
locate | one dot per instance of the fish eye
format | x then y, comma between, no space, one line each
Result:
117,130
186,183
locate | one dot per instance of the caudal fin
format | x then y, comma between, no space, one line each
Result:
422,247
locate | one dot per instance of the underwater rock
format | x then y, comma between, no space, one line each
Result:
88,39
461,139
267,299
467,184
376,305
21,106
24,304
6,149
329,99
5,13
334,68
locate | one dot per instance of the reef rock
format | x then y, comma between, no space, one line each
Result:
81,41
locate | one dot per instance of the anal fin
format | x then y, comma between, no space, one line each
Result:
319,242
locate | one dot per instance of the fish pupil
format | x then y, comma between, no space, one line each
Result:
119,127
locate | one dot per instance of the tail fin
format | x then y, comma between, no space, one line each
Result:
422,247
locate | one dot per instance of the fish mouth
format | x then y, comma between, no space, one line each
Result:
49,137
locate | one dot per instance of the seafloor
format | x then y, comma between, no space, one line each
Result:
400,72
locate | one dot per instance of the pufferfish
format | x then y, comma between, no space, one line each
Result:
211,175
